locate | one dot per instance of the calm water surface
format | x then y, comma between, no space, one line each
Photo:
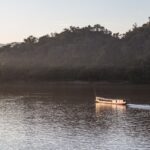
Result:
65,117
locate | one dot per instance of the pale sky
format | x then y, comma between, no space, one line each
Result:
22,18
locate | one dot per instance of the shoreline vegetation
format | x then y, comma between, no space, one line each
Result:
89,54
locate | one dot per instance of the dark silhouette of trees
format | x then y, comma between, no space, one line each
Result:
90,53
43,40
134,26
30,40
97,27
116,35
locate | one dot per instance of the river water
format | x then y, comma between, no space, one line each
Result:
64,116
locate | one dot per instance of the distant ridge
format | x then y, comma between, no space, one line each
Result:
87,53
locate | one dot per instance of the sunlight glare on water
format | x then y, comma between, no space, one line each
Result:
67,118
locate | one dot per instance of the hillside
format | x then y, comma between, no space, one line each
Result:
89,53
1,45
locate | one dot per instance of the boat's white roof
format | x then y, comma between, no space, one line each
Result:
109,99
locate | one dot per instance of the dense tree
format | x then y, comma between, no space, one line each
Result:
43,40
30,40
87,53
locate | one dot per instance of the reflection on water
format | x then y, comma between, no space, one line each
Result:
65,117
100,107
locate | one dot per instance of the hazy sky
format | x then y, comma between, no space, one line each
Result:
21,18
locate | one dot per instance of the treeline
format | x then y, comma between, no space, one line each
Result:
91,53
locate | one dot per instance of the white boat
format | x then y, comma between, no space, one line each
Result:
110,101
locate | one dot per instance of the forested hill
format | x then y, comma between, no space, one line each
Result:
88,53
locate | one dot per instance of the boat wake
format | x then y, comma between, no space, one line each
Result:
139,106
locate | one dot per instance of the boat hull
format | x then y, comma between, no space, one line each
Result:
110,101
